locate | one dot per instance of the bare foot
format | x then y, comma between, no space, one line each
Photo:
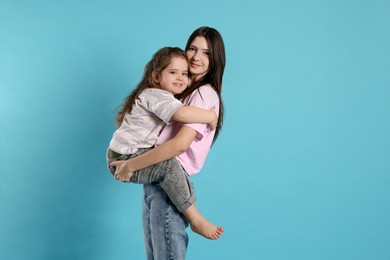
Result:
200,225
207,229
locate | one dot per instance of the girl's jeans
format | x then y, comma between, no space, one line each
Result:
169,174
164,226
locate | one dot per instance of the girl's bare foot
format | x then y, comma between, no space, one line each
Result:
207,229
202,226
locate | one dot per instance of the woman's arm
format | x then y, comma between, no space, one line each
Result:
171,148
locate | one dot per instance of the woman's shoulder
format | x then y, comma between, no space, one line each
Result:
205,94
207,89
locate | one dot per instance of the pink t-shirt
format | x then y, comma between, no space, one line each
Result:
193,159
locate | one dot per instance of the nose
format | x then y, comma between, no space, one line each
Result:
196,56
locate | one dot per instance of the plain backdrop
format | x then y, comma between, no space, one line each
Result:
301,170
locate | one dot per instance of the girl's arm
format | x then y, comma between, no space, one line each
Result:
191,114
171,148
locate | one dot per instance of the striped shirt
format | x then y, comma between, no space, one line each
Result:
140,128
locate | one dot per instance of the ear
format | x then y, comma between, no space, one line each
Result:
155,77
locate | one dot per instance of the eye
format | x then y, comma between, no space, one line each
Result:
185,74
191,48
173,72
206,53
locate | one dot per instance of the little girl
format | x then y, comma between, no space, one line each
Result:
144,113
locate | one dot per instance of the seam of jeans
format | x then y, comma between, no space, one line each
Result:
168,234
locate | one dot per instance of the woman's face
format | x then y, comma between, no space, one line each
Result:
198,57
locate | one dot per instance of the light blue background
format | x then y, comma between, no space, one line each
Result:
302,167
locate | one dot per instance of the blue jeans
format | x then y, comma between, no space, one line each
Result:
164,226
169,174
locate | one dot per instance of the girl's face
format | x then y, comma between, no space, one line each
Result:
198,57
174,78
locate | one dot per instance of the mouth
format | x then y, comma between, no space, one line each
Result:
194,65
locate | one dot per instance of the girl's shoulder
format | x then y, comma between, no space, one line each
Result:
157,91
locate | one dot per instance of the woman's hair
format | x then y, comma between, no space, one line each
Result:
160,60
214,75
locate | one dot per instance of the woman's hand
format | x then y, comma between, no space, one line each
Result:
122,170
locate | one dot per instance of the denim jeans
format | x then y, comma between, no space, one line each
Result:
169,174
164,226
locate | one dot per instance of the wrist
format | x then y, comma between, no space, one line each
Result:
128,166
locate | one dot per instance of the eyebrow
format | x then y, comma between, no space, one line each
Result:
193,46
177,70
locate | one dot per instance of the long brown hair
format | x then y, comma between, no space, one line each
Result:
214,75
160,60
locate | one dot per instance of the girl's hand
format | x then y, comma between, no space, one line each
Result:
214,123
122,170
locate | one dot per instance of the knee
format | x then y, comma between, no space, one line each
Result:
176,171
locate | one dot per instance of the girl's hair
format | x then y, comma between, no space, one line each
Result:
160,60
214,75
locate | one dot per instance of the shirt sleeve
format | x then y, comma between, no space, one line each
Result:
162,103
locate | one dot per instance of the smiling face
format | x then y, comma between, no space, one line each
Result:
198,56
174,78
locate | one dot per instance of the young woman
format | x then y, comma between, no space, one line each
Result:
164,226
